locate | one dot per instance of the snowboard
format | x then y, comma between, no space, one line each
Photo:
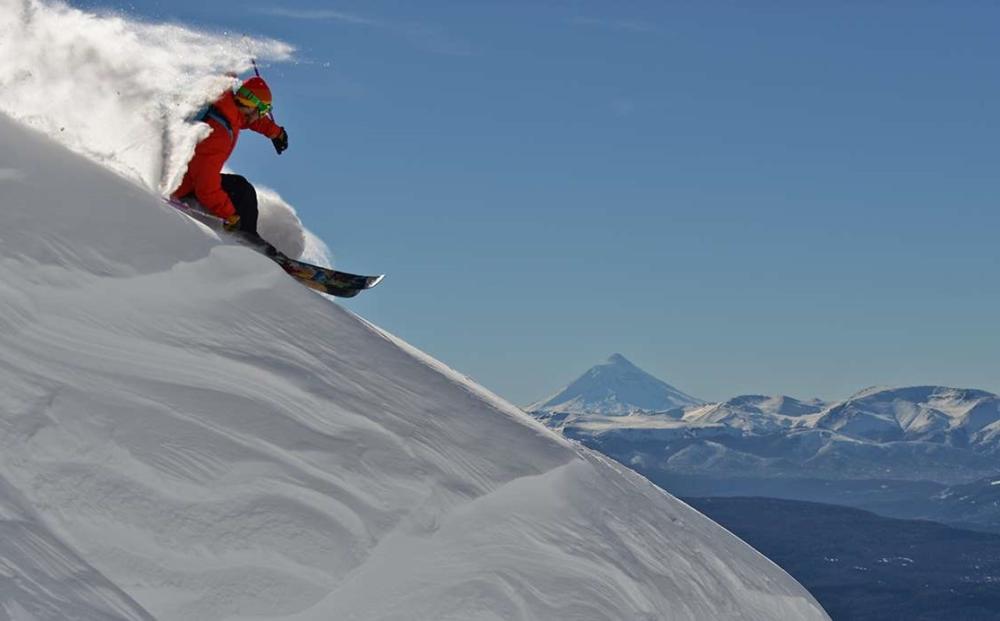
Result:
322,279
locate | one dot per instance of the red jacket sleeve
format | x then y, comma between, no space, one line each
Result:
206,171
264,125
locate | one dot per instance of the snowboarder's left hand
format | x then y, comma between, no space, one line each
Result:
281,141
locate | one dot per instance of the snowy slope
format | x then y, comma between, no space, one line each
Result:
40,574
186,433
614,388
217,442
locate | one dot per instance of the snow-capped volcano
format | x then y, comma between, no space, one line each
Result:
615,388
188,434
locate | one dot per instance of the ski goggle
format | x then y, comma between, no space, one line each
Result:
245,94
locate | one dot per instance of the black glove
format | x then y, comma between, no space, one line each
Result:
281,142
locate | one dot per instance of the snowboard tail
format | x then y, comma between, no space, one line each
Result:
322,279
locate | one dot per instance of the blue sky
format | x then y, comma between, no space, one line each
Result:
741,197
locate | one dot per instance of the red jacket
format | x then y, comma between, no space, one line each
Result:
203,176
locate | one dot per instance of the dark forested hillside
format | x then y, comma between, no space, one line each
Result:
863,567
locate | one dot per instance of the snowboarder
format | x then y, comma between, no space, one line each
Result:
230,197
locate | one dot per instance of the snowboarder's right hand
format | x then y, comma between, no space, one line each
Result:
280,141
232,223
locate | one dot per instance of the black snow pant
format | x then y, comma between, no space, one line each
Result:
244,197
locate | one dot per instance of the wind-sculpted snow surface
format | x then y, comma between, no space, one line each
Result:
187,430
40,578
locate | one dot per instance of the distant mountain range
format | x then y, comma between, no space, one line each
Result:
916,443
922,433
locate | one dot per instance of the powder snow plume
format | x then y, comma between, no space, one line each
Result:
122,92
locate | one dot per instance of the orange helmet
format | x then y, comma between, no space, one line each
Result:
254,93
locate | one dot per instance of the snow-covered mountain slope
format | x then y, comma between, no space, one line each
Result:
186,433
921,413
928,433
614,388
757,413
